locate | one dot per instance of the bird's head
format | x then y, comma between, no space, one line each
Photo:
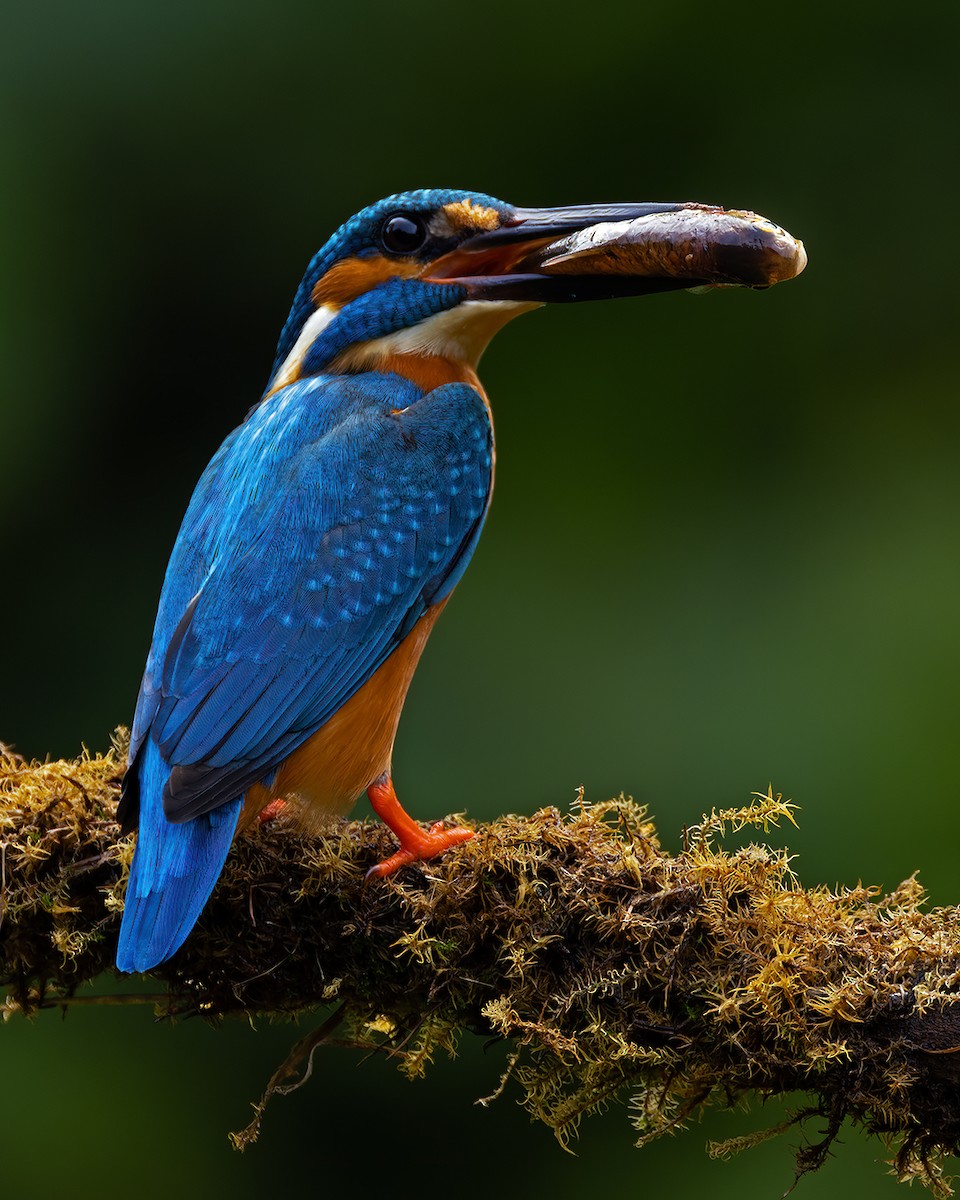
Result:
419,283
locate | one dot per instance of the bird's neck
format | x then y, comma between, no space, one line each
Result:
442,348
427,371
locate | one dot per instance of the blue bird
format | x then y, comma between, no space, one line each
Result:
324,539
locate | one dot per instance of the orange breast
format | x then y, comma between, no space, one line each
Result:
338,763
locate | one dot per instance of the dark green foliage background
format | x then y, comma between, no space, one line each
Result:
723,547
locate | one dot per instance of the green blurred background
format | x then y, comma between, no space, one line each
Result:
722,550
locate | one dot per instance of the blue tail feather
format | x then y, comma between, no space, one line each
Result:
174,870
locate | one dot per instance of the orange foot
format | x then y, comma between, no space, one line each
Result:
414,843
271,811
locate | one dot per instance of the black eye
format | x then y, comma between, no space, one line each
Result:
402,235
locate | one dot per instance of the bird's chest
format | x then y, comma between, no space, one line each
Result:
327,774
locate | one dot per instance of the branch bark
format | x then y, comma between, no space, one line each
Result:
616,968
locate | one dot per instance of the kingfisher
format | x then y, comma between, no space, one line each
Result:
324,540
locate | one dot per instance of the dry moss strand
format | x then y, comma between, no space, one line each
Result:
617,970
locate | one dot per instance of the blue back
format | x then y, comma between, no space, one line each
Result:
321,531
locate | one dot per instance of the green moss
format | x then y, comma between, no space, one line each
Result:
617,971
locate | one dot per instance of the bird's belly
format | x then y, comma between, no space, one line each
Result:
337,764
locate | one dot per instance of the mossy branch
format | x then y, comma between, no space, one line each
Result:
616,969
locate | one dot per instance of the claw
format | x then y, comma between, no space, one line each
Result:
382,869
271,811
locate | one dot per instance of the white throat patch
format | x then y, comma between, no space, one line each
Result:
314,325
460,334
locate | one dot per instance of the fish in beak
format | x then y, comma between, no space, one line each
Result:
600,252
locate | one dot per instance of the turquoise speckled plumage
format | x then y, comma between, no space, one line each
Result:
324,537
320,533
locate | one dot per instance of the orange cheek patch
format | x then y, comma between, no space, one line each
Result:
351,277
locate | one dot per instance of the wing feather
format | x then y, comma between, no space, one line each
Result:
321,533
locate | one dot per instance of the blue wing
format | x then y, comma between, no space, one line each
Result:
322,530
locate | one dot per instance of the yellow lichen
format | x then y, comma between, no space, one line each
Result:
616,969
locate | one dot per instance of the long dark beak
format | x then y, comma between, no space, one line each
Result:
504,263
603,251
